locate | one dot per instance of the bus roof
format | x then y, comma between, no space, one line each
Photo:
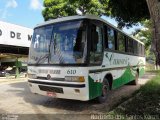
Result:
92,17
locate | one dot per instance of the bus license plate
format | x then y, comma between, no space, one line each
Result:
51,94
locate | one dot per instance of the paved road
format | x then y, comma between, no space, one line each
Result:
16,98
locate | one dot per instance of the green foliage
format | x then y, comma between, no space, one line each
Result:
128,12
88,6
58,8
145,35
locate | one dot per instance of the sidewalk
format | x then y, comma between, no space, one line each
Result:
146,77
12,79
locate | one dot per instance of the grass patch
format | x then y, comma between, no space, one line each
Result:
144,105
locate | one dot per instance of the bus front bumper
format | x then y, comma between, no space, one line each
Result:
66,90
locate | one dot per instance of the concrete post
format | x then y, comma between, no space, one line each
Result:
17,69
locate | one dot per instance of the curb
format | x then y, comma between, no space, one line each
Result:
13,80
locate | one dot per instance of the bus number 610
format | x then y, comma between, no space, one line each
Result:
71,72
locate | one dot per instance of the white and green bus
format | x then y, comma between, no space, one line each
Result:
82,58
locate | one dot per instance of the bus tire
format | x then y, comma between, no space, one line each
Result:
105,91
135,82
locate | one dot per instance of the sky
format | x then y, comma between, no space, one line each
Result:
129,31
21,12
28,13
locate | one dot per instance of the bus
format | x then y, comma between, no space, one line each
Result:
82,58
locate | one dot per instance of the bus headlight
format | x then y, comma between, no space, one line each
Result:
32,76
74,78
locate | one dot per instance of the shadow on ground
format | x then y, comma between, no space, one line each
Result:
36,99
21,89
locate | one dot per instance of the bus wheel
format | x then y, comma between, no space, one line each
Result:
135,82
105,91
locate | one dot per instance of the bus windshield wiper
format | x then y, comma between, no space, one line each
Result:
55,49
42,57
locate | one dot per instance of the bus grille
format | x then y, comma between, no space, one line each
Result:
51,89
54,79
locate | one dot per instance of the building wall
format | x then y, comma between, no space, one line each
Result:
15,41
15,35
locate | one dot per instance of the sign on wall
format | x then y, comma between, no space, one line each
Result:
11,34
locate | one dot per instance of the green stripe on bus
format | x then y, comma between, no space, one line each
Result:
141,72
95,88
125,78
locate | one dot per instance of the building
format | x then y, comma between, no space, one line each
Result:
14,45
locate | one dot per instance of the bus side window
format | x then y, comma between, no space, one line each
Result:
121,42
130,48
135,47
111,38
143,51
96,44
140,49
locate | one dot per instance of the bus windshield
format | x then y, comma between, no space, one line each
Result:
59,43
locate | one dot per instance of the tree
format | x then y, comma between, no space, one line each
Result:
145,35
58,8
126,12
154,9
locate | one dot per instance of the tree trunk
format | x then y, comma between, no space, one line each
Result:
154,9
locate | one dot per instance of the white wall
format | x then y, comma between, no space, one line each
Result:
11,34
